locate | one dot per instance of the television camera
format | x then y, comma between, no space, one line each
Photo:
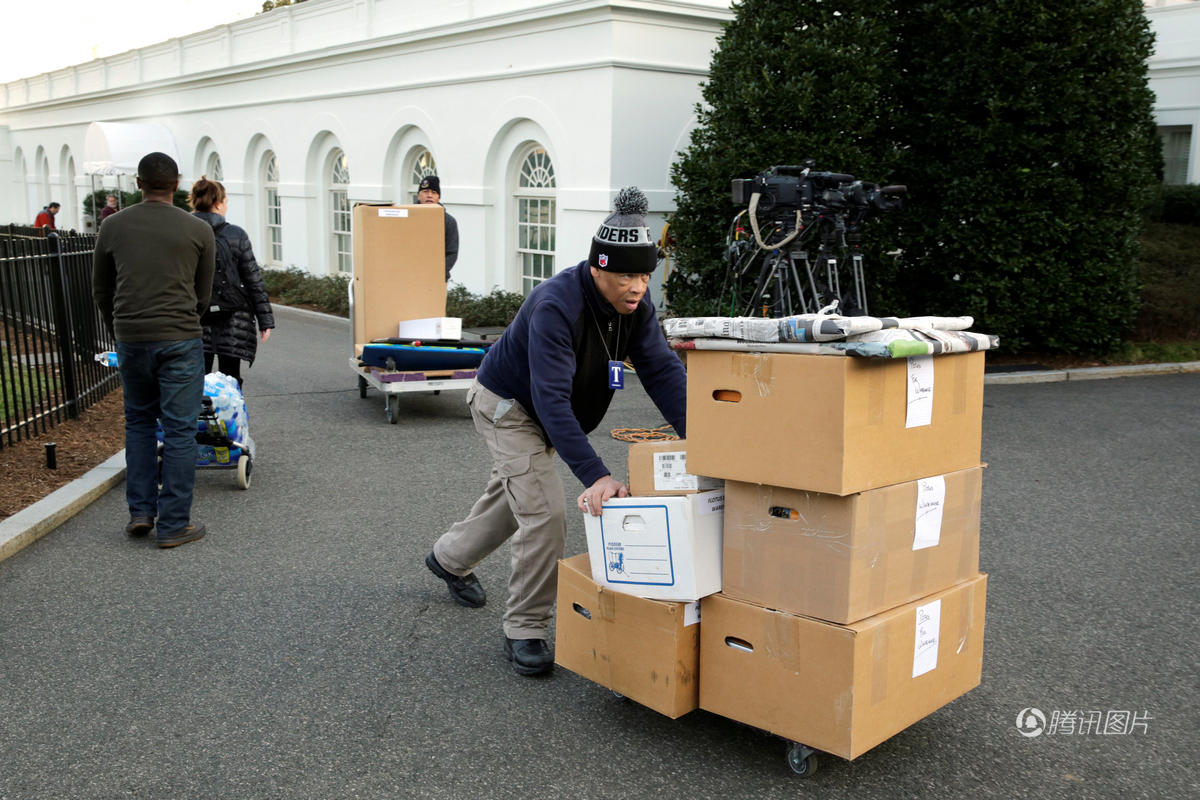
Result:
789,208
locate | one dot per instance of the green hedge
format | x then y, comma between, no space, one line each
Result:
1176,204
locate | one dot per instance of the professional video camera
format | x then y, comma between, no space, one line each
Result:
789,206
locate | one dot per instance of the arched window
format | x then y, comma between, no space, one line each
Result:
272,210
339,206
212,167
423,165
534,197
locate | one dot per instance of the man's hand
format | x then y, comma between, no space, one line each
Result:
594,496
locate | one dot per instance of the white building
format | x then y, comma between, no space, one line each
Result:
533,114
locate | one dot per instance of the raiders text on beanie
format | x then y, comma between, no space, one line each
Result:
432,183
623,243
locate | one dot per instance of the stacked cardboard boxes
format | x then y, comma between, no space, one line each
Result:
852,604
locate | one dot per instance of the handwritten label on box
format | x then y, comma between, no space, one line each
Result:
393,212
920,391
931,501
925,647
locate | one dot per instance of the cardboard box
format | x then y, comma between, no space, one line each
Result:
648,650
430,328
843,559
665,548
658,469
841,689
832,424
399,267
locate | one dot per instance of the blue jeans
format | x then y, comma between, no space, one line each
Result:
163,382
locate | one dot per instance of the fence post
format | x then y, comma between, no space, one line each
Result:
63,329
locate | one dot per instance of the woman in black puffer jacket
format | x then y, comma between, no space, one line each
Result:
233,337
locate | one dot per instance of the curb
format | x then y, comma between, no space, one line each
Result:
1091,373
30,524
27,526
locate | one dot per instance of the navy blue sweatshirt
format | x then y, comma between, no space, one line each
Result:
553,360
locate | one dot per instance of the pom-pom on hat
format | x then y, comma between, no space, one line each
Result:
623,243
431,183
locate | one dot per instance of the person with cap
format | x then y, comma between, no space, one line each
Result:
430,193
45,217
543,386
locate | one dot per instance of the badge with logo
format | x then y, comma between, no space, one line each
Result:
616,375
603,259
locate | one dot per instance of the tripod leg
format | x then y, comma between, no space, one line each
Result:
764,279
860,287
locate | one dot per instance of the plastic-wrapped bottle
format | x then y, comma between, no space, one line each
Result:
108,358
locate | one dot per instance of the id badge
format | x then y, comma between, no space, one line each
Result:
616,375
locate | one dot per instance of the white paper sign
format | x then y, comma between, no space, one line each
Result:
670,473
931,500
925,648
920,391
393,212
711,502
691,614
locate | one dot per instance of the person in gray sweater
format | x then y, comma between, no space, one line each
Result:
152,273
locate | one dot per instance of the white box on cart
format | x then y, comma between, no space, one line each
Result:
430,328
663,548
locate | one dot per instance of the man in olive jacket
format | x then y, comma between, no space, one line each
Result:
152,274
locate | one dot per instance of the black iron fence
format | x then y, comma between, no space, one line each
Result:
51,331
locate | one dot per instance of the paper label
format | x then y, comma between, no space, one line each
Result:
393,212
931,501
920,391
691,613
925,648
637,545
671,475
711,502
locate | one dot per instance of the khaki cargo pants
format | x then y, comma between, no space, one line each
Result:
525,501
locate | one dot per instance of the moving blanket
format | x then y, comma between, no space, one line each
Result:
896,343
802,327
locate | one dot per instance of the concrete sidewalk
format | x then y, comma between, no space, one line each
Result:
303,650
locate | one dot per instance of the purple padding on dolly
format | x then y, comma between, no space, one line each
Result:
465,373
399,377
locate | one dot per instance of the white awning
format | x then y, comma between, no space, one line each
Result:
115,148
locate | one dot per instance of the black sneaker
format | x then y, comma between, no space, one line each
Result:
139,526
189,534
465,589
528,656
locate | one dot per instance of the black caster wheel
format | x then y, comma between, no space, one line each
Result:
801,759
362,386
390,411
244,465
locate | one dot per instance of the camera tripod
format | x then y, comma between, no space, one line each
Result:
789,283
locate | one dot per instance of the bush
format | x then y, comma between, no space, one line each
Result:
295,287
495,310
1024,132
1169,270
1179,205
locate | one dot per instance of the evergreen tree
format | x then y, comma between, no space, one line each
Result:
1023,129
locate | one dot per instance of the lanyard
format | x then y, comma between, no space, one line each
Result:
616,369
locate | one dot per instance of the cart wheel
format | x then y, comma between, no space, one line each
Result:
244,466
802,759
390,411
436,392
618,695
362,386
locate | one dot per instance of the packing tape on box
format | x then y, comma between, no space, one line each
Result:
607,605
876,507
965,615
968,542
876,391
879,664
782,640
959,382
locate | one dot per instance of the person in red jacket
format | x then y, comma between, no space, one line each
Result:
45,217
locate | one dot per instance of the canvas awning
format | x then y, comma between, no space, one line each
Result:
115,148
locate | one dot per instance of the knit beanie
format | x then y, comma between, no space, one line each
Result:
431,183
624,243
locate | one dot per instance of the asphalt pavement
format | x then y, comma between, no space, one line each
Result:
302,649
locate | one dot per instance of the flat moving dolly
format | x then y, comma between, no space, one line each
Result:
395,382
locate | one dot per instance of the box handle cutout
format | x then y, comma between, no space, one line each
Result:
581,611
739,644
784,513
727,395
633,522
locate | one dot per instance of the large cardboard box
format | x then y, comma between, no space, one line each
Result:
648,650
841,688
399,267
831,423
665,548
659,469
843,559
